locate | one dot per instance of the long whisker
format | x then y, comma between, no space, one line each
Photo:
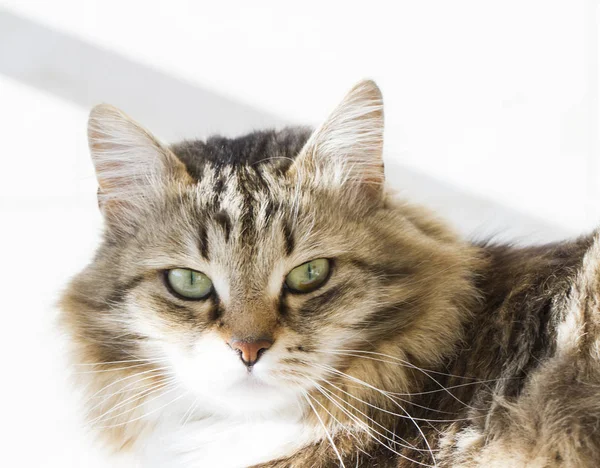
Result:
105,363
334,418
384,393
137,396
126,389
410,446
406,443
148,413
398,360
114,369
428,392
393,401
369,429
115,382
335,449
188,414
412,366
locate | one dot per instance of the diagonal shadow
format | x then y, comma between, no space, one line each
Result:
87,75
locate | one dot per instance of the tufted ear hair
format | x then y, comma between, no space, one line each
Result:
346,151
131,165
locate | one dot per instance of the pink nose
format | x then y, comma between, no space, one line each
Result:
250,351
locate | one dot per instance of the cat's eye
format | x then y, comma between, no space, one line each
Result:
308,276
189,284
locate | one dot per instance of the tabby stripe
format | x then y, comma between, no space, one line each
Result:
203,243
216,311
183,312
223,220
288,236
315,305
402,313
283,306
122,289
385,272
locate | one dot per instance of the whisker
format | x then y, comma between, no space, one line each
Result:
423,371
189,412
428,392
334,418
120,362
114,369
335,449
148,413
126,390
396,403
406,443
115,382
410,446
369,429
137,396
408,363
128,386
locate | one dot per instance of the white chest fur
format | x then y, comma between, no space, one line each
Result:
224,443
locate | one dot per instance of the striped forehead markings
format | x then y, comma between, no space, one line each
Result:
243,196
223,219
288,237
203,242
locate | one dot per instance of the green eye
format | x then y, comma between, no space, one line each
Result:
189,284
308,276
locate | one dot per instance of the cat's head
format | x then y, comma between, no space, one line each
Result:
249,271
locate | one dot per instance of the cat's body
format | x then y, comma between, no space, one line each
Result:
416,349
534,345
524,386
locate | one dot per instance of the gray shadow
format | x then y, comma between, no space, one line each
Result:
475,217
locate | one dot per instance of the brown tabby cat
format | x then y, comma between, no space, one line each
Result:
266,300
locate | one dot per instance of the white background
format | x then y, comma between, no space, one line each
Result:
491,110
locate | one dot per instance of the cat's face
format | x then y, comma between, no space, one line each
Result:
248,250
248,272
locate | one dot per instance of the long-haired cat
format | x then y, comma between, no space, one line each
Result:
266,300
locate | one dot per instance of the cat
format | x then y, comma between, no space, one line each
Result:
268,301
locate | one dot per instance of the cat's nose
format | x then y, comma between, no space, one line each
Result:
250,351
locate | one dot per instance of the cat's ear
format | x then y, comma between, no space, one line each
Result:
131,164
347,150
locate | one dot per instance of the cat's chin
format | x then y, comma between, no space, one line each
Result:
255,398
248,397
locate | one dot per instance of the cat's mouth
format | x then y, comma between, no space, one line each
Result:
251,381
